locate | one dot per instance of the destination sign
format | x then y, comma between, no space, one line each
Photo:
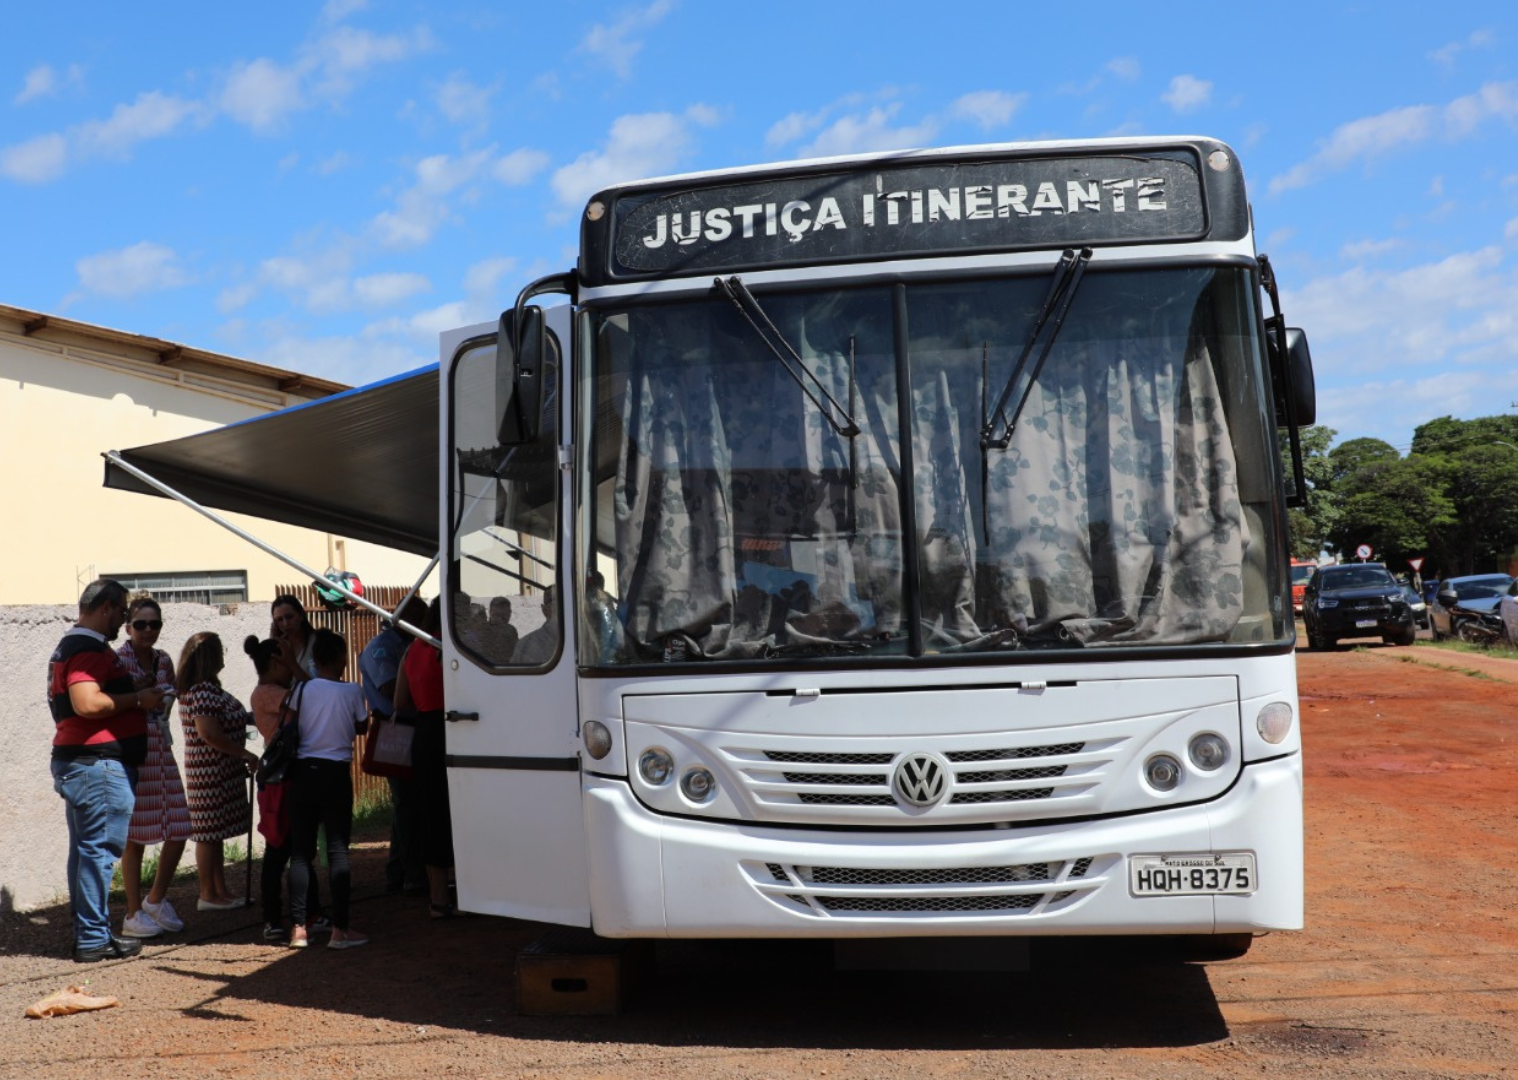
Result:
912,209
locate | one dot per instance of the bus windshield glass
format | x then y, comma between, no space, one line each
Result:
1132,502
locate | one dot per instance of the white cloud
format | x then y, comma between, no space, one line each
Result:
520,166
337,10
615,44
35,161
1510,232
423,208
1393,349
349,358
1374,136
381,290
142,268
1447,54
334,162
427,325
483,279
43,81
1434,313
861,133
793,127
236,297
1125,68
152,116
462,102
988,108
1187,93
1362,250
638,146
261,94
317,276
338,58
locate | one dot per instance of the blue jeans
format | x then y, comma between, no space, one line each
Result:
97,799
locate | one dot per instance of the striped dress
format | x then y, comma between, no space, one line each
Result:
217,783
160,812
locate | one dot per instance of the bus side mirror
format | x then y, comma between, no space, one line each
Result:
1300,382
1291,370
520,352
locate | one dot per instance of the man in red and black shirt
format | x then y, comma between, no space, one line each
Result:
100,736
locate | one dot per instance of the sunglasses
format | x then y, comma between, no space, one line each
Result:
147,624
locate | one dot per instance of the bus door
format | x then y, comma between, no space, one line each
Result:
508,660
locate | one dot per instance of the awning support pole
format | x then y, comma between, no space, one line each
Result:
115,458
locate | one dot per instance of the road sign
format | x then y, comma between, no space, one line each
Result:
1416,564
1363,552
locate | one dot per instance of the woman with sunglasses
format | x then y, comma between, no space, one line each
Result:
217,764
160,814
292,628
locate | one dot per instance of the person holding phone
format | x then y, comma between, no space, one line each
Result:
160,815
292,628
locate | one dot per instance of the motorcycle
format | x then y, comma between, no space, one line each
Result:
1482,628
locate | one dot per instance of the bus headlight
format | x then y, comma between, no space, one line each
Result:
1163,772
698,785
1274,722
1208,752
656,766
597,739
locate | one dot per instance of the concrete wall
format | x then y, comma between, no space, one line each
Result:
33,836
60,409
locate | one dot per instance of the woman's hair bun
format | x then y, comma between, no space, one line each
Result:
250,645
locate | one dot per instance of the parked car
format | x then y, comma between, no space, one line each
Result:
1420,609
1301,572
1507,608
1474,593
1356,600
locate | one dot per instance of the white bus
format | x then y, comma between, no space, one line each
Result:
896,546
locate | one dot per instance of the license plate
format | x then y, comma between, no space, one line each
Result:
1363,623
1228,874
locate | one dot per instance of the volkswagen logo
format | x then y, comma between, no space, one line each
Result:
921,780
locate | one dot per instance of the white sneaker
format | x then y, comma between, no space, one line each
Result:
164,915
140,925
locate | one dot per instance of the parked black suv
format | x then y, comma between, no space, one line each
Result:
1356,600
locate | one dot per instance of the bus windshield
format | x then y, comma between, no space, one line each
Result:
735,517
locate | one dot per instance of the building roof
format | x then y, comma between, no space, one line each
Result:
66,335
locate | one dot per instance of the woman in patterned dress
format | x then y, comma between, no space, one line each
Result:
160,815
217,764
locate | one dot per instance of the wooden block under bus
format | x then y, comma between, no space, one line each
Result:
575,975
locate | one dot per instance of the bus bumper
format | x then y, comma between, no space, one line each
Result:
653,875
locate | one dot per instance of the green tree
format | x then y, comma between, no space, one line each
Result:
1446,435
1399,506
1310,525
1483,487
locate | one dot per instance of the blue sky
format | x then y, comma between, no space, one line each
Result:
324,188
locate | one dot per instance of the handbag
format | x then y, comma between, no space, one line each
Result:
387,749
275,767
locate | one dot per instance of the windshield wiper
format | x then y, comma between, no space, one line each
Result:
1062,286
835,414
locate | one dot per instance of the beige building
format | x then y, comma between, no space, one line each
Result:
70,391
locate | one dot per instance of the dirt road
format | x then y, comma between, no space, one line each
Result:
1409,967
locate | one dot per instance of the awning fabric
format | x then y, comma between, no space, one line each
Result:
361,464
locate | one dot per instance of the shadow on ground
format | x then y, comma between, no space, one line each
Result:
459,975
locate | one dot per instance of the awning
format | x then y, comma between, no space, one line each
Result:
361,464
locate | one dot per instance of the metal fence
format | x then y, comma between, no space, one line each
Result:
358,627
